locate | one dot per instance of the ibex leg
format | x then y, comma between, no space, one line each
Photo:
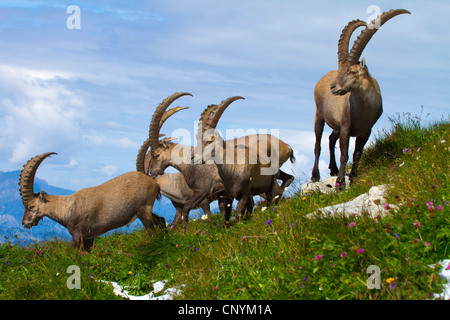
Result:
318,130
359,146
334,136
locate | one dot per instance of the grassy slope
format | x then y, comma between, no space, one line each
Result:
277,253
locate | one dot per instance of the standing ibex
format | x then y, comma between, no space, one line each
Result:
203,180
349,99
92,211
248,165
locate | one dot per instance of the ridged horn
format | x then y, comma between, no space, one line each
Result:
140,160
26,179
169,113
344,39
214,118
366,34
158,116
205,117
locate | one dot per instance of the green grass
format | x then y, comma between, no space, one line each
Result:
277,253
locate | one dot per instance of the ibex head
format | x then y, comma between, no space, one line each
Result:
161,150
351,70
32,202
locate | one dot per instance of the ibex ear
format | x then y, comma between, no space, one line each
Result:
165,141
42,195
362,67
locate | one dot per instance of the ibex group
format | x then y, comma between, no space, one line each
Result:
348,100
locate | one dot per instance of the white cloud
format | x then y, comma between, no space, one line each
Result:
101,140
89,94
40,114
109,170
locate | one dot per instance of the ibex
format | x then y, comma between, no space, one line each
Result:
248,165
349,99
173,186
92,211
203,180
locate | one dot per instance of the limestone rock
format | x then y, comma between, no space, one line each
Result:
324,186
372,203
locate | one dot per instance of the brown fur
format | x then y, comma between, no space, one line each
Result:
203,180
93,211
243,176
352,114
348,100
173,186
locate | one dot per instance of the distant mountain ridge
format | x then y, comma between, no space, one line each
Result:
11,212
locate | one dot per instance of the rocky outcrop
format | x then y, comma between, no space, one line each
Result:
325,186
372,204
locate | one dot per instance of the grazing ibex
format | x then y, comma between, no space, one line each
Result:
92,211
349,99
203,180
248,165
172,186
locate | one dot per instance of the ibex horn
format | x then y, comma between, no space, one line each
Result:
26,179
366,34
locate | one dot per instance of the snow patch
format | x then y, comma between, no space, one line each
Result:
158,286
445,273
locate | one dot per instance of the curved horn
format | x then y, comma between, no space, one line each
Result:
140,160
345,38
158,115
206,115
169,113
26,179
370,30
213,119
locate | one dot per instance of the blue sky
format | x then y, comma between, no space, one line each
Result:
89,94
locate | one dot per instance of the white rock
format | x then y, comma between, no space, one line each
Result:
324,186
157,287
371,203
